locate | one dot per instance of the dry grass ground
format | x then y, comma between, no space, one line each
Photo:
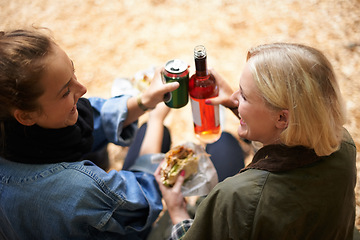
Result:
117,38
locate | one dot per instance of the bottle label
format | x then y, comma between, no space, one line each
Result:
199,109
195,106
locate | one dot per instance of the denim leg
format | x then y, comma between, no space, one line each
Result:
134,149
226,155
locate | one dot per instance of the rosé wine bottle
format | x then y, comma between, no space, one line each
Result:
202,85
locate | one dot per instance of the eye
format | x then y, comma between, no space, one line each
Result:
242,96
67,92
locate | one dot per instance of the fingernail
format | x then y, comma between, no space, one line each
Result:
207,101
182,173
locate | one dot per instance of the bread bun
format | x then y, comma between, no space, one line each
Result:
177,159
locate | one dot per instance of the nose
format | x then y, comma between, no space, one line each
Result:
80,90
236,95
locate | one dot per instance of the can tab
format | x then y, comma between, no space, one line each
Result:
176,66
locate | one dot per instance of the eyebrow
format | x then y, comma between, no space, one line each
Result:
243,93
67,84
241,90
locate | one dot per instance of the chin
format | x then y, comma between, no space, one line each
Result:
71,121
70,124
241,132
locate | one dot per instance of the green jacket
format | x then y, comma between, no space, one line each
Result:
315,200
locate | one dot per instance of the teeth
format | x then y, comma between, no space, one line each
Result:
242,122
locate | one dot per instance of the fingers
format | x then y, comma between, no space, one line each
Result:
217,76
157,74
175,202
159,83
234,99
169,87
155,93
213,72
214,101
157,171
226,96
179,182
157,174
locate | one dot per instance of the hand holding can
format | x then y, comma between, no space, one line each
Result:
176,70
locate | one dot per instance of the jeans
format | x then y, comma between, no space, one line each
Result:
226,153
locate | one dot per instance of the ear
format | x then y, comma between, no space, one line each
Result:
283,119
25,118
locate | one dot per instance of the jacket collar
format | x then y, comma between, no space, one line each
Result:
279,158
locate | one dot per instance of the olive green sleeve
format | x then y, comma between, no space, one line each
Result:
228,211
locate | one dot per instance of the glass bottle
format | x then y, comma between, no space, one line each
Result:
202,85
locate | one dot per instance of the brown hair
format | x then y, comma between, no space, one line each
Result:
22,63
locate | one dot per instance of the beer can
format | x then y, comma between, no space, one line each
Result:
177,70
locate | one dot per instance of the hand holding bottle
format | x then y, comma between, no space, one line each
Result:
226,95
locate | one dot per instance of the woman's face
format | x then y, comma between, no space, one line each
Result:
257,121
62,91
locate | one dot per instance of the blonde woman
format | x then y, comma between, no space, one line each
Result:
300,184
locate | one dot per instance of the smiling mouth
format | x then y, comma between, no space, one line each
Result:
242,122
73,110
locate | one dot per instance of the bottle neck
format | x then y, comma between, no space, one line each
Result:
201,66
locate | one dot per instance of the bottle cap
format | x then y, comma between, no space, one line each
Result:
199,51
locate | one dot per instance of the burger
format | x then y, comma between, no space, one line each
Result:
177,159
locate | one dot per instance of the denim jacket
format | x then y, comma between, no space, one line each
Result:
79,200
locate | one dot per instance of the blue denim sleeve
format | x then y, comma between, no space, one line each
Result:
132,200
6,230
109,116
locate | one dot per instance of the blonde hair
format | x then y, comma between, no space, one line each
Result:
301,79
